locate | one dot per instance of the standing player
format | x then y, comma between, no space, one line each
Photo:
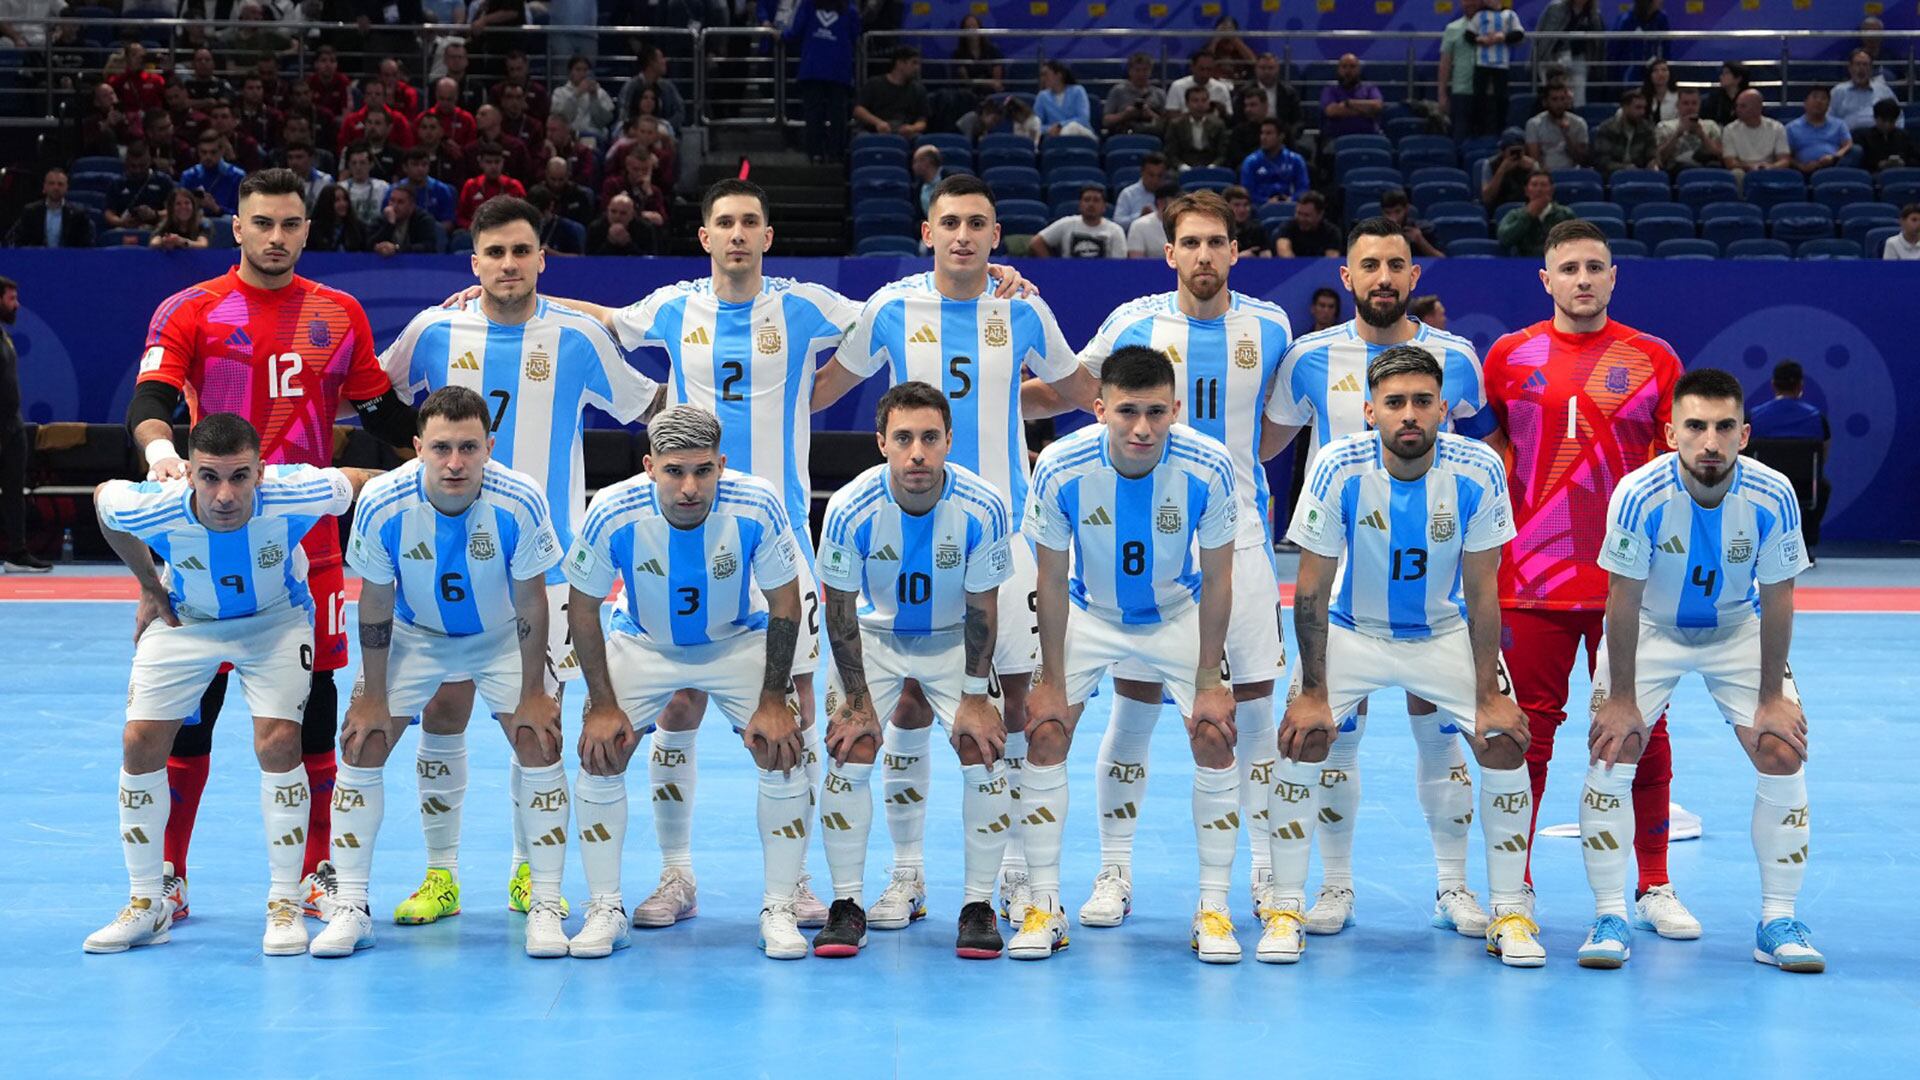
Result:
1582,401
456,546
946,330
1701,551
912,554
1400,531
1130,499
537,366
234,592
1323,383
709,567
281,351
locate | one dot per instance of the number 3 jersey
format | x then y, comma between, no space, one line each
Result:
228,575
1403,540
452,574
685,586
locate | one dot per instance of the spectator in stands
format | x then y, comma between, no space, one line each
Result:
642,135
242,150
1625,140
215,180
977,61
437,198
487,124
321,126
1273,173
188,121
204,84
1243,138
1350,106
1687,141
1283,103
1496,30
1455,91
826,31
560,142
1719,104
1324,310
332,90
1508,170
298,129
490,180
1905,244
386,156
1524,230
1818,139
1232,58
366,192
1557,136
1397,208
925,168
1001,113
457,64
1086,235
582,102
184,225
617,232
167,147
400,93
1663,100
895,102
516,119
1147,236
13,446
637,184
1853,100
558,235
456,123
373,97
139,197
1428,309
519,74
300,162
1248,232
673,108
1197,136
404,228
253,36
569,199
1061,105
259,121
1754,140
1633,50
1203,72
647,105
1135,105
447,163
1570,60
1789,415
51,221
1309,234
103,127
1886,145
20,25
333,226
1137,198
138,87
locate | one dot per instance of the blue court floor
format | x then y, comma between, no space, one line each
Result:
1388,997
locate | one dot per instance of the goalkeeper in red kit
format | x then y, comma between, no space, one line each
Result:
281,351
1582,401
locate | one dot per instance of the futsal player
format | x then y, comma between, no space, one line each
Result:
232,590
1400,529
912,554
1322,386
709,566
1701,550
453,550
537,366
281,351
1582,400
1128,501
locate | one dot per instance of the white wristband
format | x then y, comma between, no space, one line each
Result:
160,450
974,684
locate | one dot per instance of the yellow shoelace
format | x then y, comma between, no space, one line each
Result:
1215,924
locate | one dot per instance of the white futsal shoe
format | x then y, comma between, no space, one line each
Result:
1213,941
286,934
144,921
672,900
1042,933
1284,938
348,931
780,936
1112,899
1016,896
604,930
1660,910
546,930
903,900
1459,910
808,912
1332,910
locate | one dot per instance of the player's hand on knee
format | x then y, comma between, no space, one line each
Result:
607,739
1784,720
773,737
153,606
540,714
365,718
853,721
1500,716
1046,702
1308,722
1617,727
1214,708
976,720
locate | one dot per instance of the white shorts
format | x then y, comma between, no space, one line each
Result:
1166,653
1016,643
271,654
420,661
645,676
1728,662
937,662
1256,650
1438,669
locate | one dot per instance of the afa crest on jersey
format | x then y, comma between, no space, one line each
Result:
271,556
1617,379
1443,526
319,335
1246,355
539,366
996,334
1168,519
946,556
1740,549
767,339
480,547
725,565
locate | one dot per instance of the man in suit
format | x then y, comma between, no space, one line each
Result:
51,221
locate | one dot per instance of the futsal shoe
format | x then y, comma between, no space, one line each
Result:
520,892
1284,938
808,912
603,931
979,934
1609,943
174,887
1785,943
846,931
780,936
1262,889
904,900
350,930
1042,933
319,889
1514,938
1213,941
1332,910
1112,899
1016,896
286,935
1660,911
546,937
672,900
438,897
144,921
1459,910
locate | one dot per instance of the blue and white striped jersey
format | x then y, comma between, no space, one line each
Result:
1323,382
1703,568
1402,540
1223,370
686,586
228,575
750,364
973,352
913,571
453,574
537,378
1133,538
1496,21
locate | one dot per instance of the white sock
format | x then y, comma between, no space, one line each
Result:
283,806
441,765
545,815
1015,757
1120,777
1216,828
600,809
1043,802
519,826
1446,797
906,777
144,805
846,821
670,770
1338,803
1290,821
1780,841
811,759
986,815
1606,834
1254,751
359,805
1506,811
782,812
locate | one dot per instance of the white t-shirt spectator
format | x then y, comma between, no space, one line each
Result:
1073,238
1217,90
1763,143
1147,237
1541,130
1898,248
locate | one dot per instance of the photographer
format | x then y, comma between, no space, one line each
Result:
1507,170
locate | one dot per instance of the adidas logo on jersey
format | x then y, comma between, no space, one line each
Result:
1672,546
1348,385
467,362
239,339
191,562
1098,517
698,337
651,566
886,552
925,335
420,551
1375,521
1535,382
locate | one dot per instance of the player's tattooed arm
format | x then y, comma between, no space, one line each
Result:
590,645
983,616
1310,619
376,636
380,635
843,639
783,635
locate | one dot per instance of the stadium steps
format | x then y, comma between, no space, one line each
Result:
809,210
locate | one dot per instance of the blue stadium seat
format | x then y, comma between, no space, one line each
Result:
1363,142
887,245
1698,187
1022,206
1628,249
1876,242
1208,178
1079,174
1422,143
101,163
1632,195
1759,249
1771,187
1727,231
1013,181
1521,109
102,182
1426,157
946,140
1829,248
1474,248
1063,157
1500,212
1000,157
87,197
1577,185
1744,211
1434,192
1430,174
1345,162
1835,196
1596,113
1401,128
1637,176
1143,143
869,156
1122,178
1643,211
867,139
1614,228
1447,230
882,187
1652,231
878,218
1458,208
1899,186
140,238
1006,140
1122,159
1797,222
1069,190
869,173
1885,213
1060,208
1686,248
1595,209
1365,211
1023,224
1859,229
1839,174
1056,143
1375,174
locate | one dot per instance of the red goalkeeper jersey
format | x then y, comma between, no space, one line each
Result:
1580,411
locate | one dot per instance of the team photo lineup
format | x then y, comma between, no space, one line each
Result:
1468,528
